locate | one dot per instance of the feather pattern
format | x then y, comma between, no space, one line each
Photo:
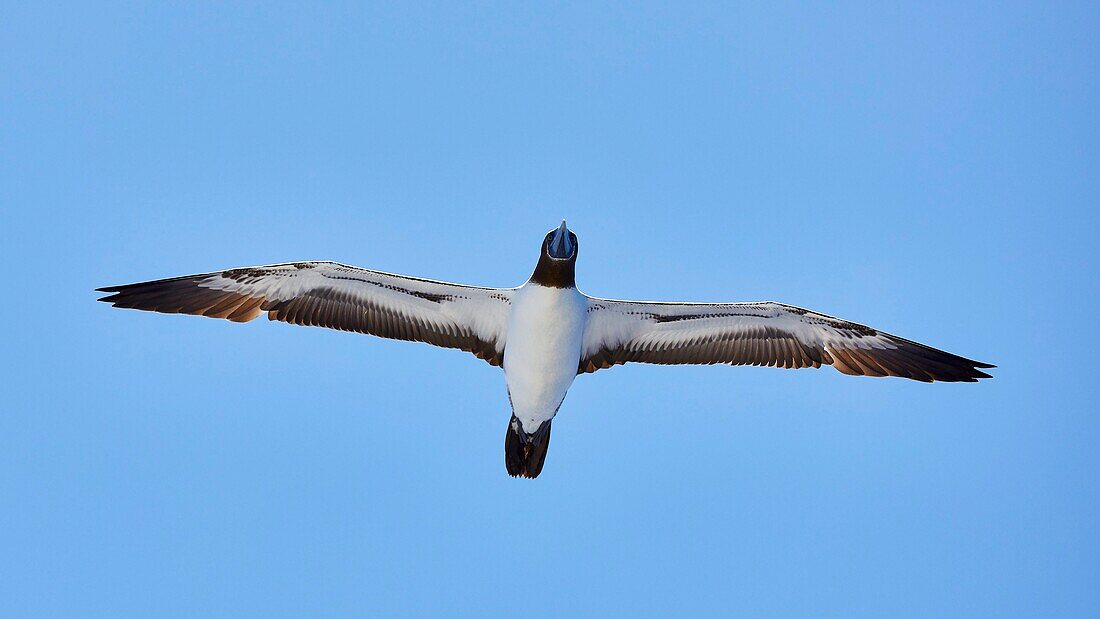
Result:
337,296
767,333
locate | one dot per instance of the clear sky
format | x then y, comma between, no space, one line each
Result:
928,169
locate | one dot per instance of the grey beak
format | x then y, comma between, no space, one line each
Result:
560,245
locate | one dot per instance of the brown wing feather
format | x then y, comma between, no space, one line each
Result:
773,346
320,307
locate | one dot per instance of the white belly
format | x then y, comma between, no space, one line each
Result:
543,350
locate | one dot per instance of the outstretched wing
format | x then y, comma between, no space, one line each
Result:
768,333
337,296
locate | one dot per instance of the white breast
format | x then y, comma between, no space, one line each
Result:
543,350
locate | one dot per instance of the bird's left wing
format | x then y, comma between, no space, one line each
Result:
768,333
337,296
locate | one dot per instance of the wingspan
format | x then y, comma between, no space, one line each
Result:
769,334
337,296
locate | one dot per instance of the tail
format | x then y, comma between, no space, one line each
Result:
525,453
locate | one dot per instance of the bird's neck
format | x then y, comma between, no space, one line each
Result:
555,273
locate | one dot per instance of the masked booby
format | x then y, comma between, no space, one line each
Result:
545,332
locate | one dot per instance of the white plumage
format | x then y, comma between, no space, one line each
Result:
542,356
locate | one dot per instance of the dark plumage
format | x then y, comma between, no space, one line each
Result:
524,454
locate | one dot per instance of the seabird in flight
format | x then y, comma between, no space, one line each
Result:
545,332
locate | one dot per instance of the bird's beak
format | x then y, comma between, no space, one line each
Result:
561,246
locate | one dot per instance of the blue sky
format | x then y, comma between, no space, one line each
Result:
928,169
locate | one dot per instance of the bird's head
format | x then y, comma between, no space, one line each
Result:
558,260
560,244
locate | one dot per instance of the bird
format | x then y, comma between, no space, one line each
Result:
545,332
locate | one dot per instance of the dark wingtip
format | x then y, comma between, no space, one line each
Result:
111,298
978,374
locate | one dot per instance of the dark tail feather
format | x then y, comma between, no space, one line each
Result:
525,453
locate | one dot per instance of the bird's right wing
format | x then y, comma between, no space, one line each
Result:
768,333
337,296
